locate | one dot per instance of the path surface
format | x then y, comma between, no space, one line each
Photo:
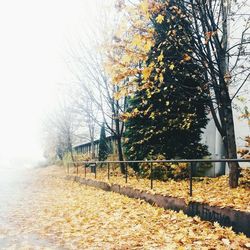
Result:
14,187
45,211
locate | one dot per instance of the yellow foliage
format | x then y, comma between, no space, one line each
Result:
186,57
159,18
82,157
160,57
137,41
117,96
148,45
213,191
161,78
171,66
152,115
74,216
146,72
126,59
128,52
144,6
125,116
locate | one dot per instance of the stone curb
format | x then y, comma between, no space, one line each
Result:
238,220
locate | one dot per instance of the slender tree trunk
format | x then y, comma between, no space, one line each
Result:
119,145
226,104
234,168
72,155
120,154
92,149
228,135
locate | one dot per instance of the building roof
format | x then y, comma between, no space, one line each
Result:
89,143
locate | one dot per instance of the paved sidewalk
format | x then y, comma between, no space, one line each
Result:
14,186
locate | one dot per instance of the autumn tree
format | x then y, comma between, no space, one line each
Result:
168,111
61,126
223,66
87,64
86,112
211,49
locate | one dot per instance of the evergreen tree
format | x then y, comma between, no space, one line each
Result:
103,146
168,111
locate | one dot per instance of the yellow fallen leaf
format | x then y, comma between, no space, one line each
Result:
171,66
146,72
226,241
159,18
186,57
160,57
161,78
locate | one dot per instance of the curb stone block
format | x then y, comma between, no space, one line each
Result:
238,220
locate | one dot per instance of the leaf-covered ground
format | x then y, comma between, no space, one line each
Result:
61,214
214,191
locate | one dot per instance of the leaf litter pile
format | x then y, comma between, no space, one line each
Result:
73,216
213,191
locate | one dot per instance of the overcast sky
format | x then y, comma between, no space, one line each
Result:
34,37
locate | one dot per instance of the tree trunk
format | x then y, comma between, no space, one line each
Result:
92,149
120,154
72,155
234,168
227,118
119,144
228,137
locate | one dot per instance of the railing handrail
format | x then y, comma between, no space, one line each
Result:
165,161
151,162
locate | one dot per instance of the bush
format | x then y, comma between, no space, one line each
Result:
163,171
82,157
66,159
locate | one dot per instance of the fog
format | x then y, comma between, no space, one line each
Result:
34,38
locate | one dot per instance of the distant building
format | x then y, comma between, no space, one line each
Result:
211,138
85,148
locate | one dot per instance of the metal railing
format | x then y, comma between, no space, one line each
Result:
192,164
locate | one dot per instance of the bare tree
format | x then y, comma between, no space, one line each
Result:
61,127
87,114
100,95
88,67
225,67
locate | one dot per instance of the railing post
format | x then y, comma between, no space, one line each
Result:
77,169
85,170
95,170
191,169
68,167
108,171
151,175
126,172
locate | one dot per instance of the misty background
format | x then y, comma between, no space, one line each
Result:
35,36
